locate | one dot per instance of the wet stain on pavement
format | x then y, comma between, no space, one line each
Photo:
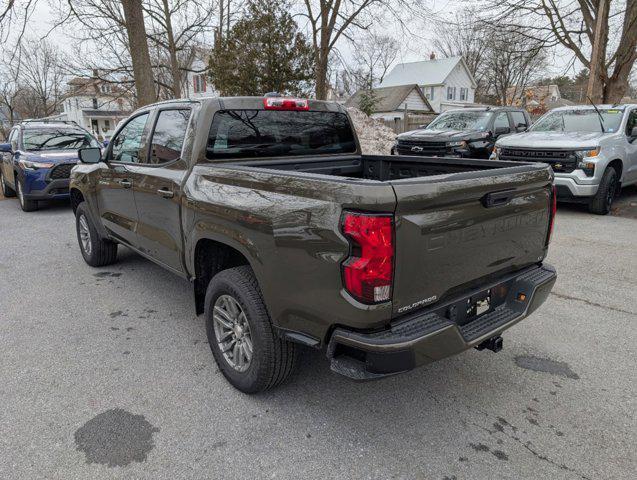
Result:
116,438
546,365
481,447
106,274
118,313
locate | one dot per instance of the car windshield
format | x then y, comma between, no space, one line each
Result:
579,120
57,139
268,133
467,120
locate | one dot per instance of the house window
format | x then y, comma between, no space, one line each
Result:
463,94
107,125
199,83
95,103
451,93
429,93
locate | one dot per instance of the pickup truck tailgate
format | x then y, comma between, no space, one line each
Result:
454,232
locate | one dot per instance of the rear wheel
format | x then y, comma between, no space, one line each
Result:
26,205
603,200
7,191
97,252
243,341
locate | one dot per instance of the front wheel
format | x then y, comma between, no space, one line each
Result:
603,199
25,205
7,191
243,341
97,252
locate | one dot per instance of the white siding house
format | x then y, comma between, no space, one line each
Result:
446,82
96,105
197,82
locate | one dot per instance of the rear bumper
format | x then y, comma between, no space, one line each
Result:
431,335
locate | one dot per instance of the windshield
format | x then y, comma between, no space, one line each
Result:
460,121
271,133
579,121
57,139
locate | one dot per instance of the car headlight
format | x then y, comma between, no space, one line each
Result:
30,165
461,144
584,160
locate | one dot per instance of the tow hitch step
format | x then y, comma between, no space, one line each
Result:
494,344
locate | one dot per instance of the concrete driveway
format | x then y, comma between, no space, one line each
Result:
106,373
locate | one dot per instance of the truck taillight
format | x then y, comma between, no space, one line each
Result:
281,103
368,272
552,212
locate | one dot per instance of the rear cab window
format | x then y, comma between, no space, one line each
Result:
277,133
519,119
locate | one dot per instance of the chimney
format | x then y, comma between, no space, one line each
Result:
432,56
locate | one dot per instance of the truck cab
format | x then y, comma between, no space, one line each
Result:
592,149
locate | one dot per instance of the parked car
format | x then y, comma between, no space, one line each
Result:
593,151
465,132
291,236
36,162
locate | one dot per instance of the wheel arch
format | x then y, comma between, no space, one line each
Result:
618,165
77,197
209,258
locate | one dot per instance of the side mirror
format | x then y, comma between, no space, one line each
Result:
521,127
5,148
633,133
501,131
90,155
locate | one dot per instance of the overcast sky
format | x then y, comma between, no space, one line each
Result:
414,48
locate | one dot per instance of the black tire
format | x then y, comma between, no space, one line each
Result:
7,191
273,359
25,205
602,201
102,252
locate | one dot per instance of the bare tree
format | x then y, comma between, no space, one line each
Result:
174,29
374,53
583,27
329,20
32,80
512,63
466,36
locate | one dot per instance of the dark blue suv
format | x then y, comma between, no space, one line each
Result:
36,162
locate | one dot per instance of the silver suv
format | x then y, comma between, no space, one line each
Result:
593,151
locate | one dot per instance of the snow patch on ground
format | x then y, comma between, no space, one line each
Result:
374,137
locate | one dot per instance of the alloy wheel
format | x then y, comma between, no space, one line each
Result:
232,332
85,235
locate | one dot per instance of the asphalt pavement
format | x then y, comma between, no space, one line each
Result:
106,373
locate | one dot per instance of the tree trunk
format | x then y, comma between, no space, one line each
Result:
138,46
625,57
172,50
596,80
321,77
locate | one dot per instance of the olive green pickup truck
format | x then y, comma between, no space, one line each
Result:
292,237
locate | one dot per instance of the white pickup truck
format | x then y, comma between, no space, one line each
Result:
593,151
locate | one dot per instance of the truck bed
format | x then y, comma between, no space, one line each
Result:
381,168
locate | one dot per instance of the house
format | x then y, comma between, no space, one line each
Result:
197,81
446,82
96,104
537,99
517,95
391,103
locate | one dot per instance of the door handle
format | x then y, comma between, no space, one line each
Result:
497,199
126,183
166,193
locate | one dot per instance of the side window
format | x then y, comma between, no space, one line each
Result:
13,138
631,123
519,120
168,137
501,121
127,145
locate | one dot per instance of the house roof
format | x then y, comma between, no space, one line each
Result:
389,98
426,72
